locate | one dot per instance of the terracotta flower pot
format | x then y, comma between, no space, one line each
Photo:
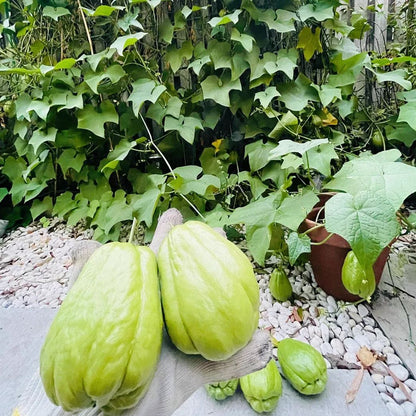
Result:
327,259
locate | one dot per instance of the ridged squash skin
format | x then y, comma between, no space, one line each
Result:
222,389
303,366
356,279
262,389
280,286
210,295
104,343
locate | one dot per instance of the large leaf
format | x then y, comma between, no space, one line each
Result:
294,209
39,207
320,157
377,173
223,20
114,73
407,114
55,12
41,136
175,56
320,10
367,220
401,132
185,126
94,118
398,76
296,94
218,89
144,205
122,42
310,42
289,146
144,89
297,245
119,153
71,159
258,153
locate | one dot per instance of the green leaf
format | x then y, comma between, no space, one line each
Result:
114,73
223,20
245,40
175,56
367,220
94,118
377,173
185,126
189,179
40,207
327,93
152,3
64,204
118,211
265,97
258,153
102,10
67,63
166,30
258,242
287,61
319,11
22,104
122,42
288,146
294,209
296,94
310,42
257,187
407,114
144,205
128,20
69,158
398,76
220,54
144,90
218,89
401,132
40,136
298,245
55,12
287,124
197,64
3,193
320,157
119,153
291,161
94,60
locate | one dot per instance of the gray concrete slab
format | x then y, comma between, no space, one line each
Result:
395,311
21,336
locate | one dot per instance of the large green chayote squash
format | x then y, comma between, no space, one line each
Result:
302,365
210,295
104,343
262,389
222,389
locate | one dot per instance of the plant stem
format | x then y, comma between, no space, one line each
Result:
133,230
86,27
323,241
313,229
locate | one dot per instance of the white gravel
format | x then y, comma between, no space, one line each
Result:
35,267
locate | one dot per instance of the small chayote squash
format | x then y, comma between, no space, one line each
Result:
279,285
356,279
209,292
263,388
104,343
303,366
222,389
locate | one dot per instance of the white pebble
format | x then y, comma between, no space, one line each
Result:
386,398
316,342
377,346
362,310
414,396
337,346
395,409
356,317
369,321
411,383
351,345
381,388
342,318
377,378
326,348
409,408
393,359
324,333
399,396
399,371
389,381
350,357
362,340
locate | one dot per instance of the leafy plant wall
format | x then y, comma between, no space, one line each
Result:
110,111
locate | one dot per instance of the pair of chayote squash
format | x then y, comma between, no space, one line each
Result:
103,345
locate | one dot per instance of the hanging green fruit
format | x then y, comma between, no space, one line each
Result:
356,279
279,285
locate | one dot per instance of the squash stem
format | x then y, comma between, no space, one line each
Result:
323,241
133,229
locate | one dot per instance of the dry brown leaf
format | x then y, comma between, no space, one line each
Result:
355,386
366,357
401,385
297,314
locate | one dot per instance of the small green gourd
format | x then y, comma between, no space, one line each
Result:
356,279
222,389
302,365
279,285
262,389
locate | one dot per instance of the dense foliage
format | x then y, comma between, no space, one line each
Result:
123,109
